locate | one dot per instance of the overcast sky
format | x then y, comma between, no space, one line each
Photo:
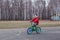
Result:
47,1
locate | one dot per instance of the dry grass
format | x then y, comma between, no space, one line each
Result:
24,24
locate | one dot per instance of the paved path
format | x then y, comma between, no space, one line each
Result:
20,34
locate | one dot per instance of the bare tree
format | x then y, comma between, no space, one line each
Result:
0,8
21,10
44,11
7,9
30,9
3,15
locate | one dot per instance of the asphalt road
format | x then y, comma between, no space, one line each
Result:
48,33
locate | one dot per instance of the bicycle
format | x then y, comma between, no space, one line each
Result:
33,28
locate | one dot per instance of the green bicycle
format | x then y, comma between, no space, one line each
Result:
33,28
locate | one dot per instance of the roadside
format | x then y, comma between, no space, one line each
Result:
24,24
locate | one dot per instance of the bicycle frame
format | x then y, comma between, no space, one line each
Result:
33,27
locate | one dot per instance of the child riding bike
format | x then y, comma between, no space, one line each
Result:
33,27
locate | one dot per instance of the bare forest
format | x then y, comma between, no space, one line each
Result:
25,9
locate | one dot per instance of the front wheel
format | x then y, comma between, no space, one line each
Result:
29,30
38,30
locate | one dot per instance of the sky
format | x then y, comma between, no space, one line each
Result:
47,1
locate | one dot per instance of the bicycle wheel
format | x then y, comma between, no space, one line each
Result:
38,30
29,30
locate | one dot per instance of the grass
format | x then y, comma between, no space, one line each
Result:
24,24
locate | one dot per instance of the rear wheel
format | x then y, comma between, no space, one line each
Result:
38,30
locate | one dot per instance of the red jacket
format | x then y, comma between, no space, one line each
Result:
35,20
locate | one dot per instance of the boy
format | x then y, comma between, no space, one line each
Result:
35,20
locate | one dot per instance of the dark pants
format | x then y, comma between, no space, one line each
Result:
34,24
